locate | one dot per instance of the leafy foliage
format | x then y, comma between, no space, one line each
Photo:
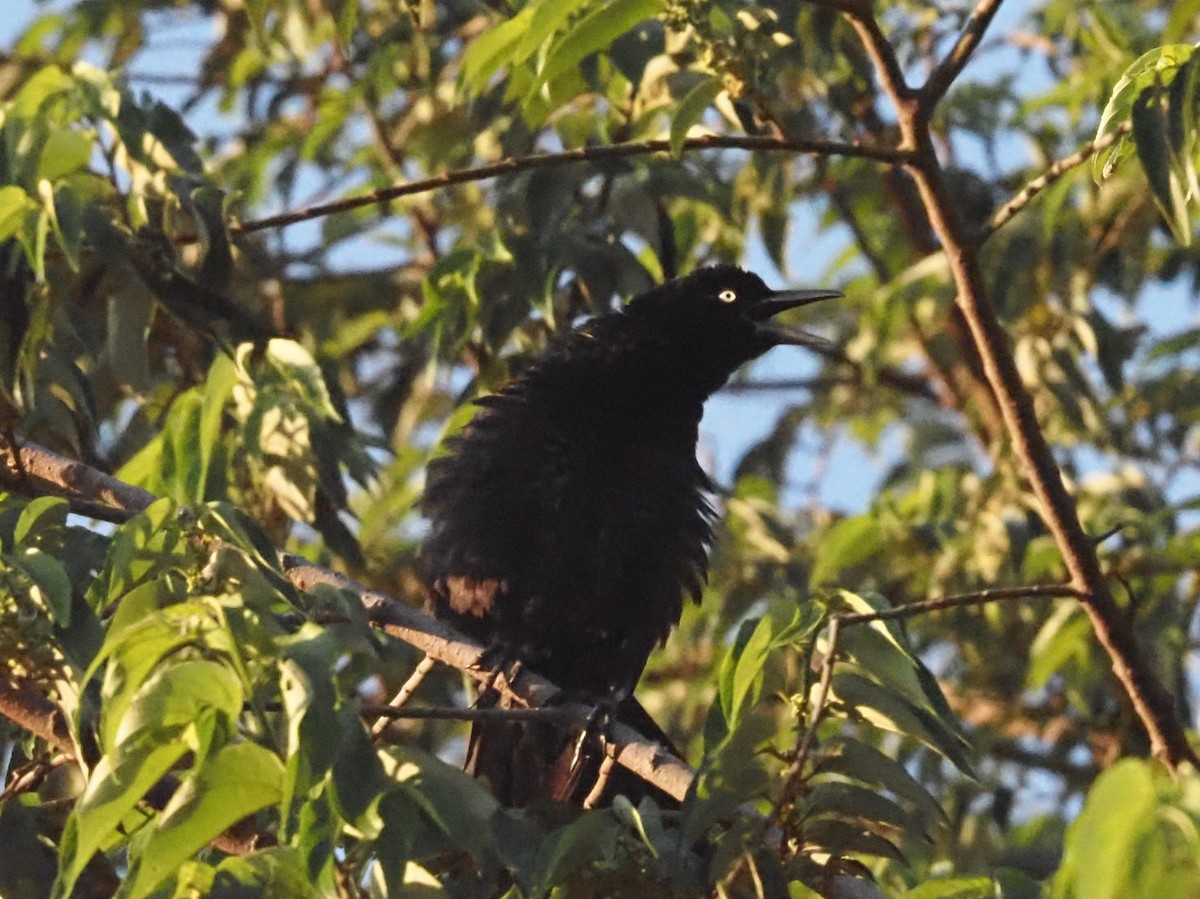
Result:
283,387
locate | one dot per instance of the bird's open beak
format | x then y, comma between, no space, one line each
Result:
781,301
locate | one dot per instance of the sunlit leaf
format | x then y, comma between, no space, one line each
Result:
239,780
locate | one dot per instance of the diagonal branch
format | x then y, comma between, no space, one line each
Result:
1054,171
35,713
949,68
513,165
32,467
887,67
1152,701
977,598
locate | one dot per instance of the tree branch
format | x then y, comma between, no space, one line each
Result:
513,165
647,760
404,694
1151,700
27,464
563,714
1053,172
875,42
36,714
977,598
949,68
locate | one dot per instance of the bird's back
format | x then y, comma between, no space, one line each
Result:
568,525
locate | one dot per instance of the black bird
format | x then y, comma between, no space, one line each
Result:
570,517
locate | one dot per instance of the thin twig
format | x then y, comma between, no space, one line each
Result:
405,693
1053,172
800,757
513,165
803,748
977,598
596,794
949,68
32,775
563,714
904,382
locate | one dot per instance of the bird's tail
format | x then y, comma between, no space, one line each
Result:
531,760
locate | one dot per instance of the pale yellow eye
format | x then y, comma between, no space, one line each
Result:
727,296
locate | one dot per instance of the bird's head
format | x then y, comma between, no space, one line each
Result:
726,313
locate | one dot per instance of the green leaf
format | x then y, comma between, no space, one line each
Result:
116,785
276,871
1148,68
347,21
40,514
51,579
865,764
1164,170
358,776
183,475
883,653
495,49
42,85
66,220
1066,636
548,16
239,780
891,711
139,636
64,151
569,849
27,865
593,32
841,837
741,677
1138,835
459,806
222,378
849,800
35,228
177,695
849,542
955,888
690,110
14,203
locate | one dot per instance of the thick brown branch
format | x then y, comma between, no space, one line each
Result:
1151,700
949,68
1053,172
648,760
24,466
546,160
35,713
58,476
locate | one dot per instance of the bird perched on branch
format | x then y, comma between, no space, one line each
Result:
570,517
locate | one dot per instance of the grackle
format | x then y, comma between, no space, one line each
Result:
570,518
